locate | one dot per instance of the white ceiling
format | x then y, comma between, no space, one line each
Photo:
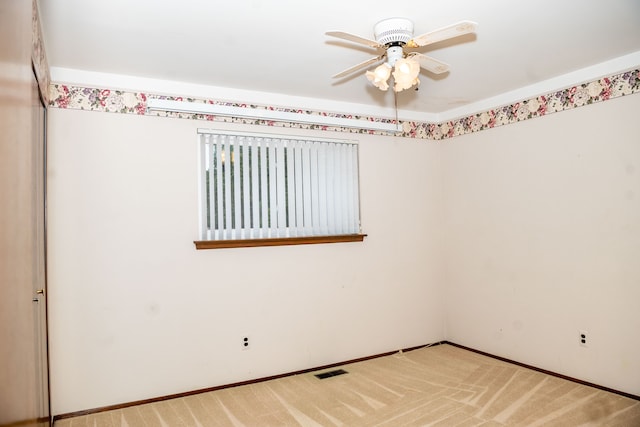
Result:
279,46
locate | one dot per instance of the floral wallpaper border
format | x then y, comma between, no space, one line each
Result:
117,101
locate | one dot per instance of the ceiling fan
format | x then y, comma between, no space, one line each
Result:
393,36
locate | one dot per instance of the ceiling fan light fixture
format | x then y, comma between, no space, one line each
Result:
406,73
379,76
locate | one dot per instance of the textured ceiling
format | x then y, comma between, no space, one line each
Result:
280,47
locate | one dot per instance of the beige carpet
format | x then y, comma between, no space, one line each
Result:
437,386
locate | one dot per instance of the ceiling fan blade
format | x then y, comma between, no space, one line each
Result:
358,66
430,64
354,38
451,31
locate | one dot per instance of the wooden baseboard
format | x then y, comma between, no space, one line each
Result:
544,371
333,365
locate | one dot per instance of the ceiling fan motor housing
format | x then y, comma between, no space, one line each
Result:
393,31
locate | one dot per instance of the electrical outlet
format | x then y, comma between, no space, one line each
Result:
583,338
245,343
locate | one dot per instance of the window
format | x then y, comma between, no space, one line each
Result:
265,187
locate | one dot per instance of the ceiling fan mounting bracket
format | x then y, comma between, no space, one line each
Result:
393,31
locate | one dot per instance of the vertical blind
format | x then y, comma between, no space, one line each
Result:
264,186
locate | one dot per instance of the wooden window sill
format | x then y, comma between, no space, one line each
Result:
280,241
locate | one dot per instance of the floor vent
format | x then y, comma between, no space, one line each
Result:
329,374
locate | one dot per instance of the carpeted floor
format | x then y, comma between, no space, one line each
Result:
436,386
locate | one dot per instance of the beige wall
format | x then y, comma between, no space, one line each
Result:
543,240
511,240
137,312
